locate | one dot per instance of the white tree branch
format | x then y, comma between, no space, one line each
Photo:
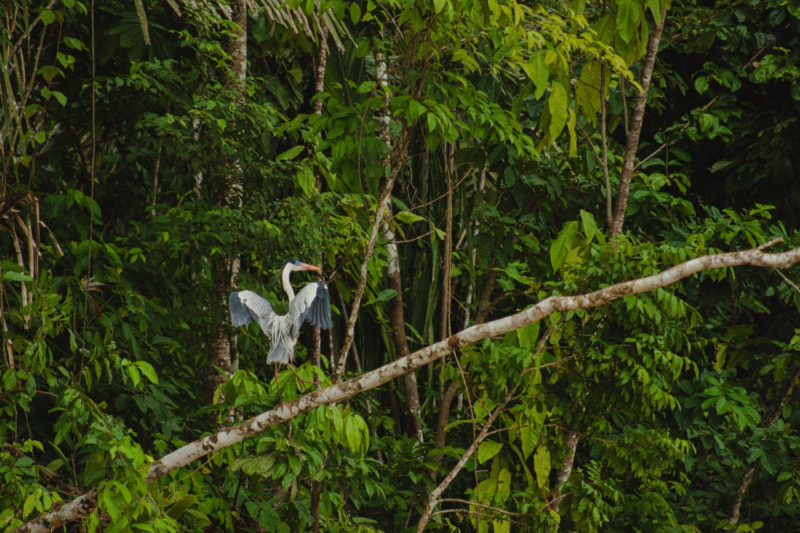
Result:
228,436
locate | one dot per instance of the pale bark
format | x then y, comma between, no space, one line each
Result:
375,378
392,163
398,324
632,143
564,471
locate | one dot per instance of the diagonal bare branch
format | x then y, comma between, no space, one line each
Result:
375,378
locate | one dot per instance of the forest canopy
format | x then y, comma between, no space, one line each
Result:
558,238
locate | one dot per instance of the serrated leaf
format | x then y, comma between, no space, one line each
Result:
291,153
557,104
541,465
488,449
562,244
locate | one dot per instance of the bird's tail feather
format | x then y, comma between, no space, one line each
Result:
279,353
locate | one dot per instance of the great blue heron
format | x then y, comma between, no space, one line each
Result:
311,305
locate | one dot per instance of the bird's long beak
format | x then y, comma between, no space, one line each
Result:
315,268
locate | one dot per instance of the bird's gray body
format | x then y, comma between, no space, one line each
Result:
311,305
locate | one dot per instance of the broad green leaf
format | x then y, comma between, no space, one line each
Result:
306,181
562,244
528,335
386,295
352,433
291,153
16,276
528,438
590,228
355,13
48,16
629,13
557,104
408,217
541,465
488,449
655,8
538,72
148,371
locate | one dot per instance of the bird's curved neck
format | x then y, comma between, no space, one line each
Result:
287,284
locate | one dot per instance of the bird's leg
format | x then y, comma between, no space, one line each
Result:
278,385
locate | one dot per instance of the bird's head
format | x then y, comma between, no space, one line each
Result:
295,265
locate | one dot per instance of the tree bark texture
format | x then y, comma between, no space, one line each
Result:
632,144
226,268
375,378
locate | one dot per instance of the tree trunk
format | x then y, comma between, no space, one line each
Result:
225,269
632,144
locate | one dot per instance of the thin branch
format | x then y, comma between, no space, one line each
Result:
433,497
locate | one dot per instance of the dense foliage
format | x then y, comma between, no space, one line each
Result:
142,174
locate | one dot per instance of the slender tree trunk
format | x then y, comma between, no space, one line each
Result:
398,323
564,471
632,144
396,312
226,268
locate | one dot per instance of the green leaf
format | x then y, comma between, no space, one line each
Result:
538,72
48,17
629,13
541,465
438,5
408,217
589,226
148,371
557,104
355,13
60,98
366,86
386,295
528,335
305,179
352,433
562,244
291,153
29,505
655,8
528,438
16,276
488,449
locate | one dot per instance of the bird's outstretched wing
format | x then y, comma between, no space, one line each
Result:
247,306
312,304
